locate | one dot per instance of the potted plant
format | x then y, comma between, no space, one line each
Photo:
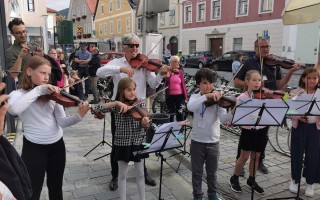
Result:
84,35
78,19
84,16
73,20
89,35
79,36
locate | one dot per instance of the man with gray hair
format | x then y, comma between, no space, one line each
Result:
118,69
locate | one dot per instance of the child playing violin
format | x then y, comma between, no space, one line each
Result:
43,150
305,139
205,133
252,141
129,136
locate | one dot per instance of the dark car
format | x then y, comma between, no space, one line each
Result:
224,62
106,57
199,59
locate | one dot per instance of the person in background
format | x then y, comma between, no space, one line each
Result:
54,55
305,139
82,57
93,66
43,150
205,133
76,89
118,69
176,94
237,63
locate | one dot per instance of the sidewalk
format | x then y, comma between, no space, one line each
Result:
86,179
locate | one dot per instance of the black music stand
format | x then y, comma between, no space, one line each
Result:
255,112
103,142
303,105
183,151
165,138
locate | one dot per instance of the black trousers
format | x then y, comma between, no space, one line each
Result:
40,159
174,103
262,154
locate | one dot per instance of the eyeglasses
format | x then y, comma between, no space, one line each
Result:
132,45
21,33
265,47
52,53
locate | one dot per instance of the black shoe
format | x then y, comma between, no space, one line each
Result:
242,172
85,97
234,184
148,180
263,169
256,187
94,102
113,184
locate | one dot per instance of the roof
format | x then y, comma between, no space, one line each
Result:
92,5
50,10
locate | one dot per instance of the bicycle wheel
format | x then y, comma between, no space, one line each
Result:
280,141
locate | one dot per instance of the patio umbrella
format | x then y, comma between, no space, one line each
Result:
301,12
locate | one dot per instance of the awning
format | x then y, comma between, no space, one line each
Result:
301,12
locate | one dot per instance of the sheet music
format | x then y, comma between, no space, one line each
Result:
247,113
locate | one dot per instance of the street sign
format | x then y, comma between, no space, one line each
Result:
68,49
266,34
79,29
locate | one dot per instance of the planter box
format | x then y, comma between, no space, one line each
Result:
78,18
84,16
73,20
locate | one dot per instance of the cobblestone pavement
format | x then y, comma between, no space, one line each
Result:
86,179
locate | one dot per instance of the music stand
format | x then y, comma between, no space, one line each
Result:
103,136
256,112
303,105
165,138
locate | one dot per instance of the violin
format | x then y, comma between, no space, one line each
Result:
273,60
224,102
274,95
137,111
142,61
67,100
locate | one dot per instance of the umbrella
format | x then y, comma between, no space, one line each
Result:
301,12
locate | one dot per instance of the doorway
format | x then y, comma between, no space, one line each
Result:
216,46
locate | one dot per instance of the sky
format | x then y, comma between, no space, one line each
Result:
58,4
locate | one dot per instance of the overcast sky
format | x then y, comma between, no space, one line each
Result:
58,4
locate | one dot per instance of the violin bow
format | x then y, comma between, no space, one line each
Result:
76,82
142,100
261,62
232,78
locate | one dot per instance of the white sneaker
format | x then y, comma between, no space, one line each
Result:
309,191
293,187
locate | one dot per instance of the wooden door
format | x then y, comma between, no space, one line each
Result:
216,46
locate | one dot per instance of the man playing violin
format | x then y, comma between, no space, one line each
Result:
120,68
271,75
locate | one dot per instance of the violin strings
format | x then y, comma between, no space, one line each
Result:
142,100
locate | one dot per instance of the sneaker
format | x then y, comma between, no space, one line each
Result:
293,187
255,185
197,198
234,184
242,172
263,169
213,197
309,191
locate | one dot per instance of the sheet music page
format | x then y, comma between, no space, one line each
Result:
315,109
299,104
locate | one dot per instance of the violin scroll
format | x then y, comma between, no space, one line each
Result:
273,60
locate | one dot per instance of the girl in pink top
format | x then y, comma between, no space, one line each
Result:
177,92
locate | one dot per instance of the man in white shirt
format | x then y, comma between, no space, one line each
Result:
120,68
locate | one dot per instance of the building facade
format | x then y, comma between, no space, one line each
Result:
51,22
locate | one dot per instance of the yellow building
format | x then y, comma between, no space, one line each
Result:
113,18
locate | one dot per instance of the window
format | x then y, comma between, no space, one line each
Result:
74,30
31,6
118,4
128,24
49,34
89,28
119,25
162,21
105,28
102,9
78,11
188,14
84,28
201,12
192,46
111,27
216,9
242,7
266,6
172,17
110,6
84,10
237,44
100,29
140,23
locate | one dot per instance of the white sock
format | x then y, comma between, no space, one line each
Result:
122,179
139,170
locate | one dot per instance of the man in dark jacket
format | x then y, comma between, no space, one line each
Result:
93,66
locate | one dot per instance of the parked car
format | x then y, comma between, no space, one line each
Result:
199,59
106,57
224,62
